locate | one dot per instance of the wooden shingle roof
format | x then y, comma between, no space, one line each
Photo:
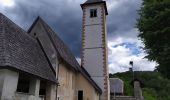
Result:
21,52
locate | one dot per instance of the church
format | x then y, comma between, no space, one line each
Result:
37,65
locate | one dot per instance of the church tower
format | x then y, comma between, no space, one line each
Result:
94,44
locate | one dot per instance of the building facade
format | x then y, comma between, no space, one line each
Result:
25,74
37,65
94,43
74,82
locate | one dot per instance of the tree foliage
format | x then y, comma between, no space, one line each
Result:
155,86
154,27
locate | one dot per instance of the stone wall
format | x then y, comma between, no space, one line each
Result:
138,91
137,94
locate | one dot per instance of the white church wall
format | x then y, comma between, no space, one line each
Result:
9,84
93,36
93,61
99,81
95,20
94,54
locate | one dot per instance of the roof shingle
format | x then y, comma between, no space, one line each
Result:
21,52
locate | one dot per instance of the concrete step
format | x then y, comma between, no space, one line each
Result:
123,98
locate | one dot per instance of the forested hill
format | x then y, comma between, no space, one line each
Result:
155,86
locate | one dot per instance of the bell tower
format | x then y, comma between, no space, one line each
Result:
94,44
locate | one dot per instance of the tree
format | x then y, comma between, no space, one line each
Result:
154,27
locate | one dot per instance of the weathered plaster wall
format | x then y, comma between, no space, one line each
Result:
70,82
50,91
89,93
22,96
1,82
93,36
93,61
9,81
66,89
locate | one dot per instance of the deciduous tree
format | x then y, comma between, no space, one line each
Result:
154,27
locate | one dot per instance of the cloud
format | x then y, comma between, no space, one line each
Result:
7,3
122,18
79,60
123,43
122,52
65,17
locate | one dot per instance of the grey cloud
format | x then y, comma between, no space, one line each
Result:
65,16
122,19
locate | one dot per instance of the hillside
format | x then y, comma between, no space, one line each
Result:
155,86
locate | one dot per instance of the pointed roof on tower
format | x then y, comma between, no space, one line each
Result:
93,2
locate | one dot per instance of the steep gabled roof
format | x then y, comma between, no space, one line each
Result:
93,2
65,52
58,44
21,52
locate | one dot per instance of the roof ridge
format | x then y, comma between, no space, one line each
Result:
35,21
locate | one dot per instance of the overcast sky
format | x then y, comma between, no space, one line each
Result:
65,16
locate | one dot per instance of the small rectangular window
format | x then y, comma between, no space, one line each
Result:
80,95
42,91
23,84
93,13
